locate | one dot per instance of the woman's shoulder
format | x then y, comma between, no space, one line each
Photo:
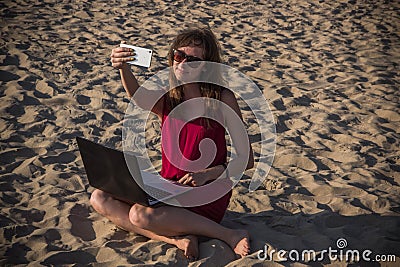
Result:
227,96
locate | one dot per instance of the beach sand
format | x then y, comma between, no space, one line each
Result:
329,70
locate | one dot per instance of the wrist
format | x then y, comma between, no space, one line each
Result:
125,67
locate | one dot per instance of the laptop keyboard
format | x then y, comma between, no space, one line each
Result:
156,193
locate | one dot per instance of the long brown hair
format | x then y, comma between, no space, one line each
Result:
204,38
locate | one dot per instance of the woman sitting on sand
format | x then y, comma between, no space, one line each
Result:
176,225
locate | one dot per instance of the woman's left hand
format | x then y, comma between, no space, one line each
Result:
194,179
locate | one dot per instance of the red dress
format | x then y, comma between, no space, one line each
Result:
189,138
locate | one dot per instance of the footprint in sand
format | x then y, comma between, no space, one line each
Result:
81,226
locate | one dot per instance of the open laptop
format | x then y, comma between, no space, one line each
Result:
107,170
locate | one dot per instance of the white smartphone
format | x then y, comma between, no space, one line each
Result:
142,55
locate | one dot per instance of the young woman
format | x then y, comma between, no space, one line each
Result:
176,225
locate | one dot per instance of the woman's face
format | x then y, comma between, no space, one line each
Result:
184,71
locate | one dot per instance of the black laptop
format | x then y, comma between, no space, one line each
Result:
107,170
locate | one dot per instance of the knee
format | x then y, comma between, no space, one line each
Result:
141,216
98,200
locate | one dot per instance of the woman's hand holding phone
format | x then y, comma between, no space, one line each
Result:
120,56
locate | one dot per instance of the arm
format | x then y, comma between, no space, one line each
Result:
229,98
143,98
128,80
212,173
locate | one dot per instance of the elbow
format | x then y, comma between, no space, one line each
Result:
250,164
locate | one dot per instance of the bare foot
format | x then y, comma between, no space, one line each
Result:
240,242
189,244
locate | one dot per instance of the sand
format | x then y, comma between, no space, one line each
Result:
330,71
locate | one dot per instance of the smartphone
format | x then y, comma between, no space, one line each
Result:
142,55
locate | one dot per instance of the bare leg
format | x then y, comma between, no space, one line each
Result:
118,212
172,221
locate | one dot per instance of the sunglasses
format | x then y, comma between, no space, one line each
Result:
179,56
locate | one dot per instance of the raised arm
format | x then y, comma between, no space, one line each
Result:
144,98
